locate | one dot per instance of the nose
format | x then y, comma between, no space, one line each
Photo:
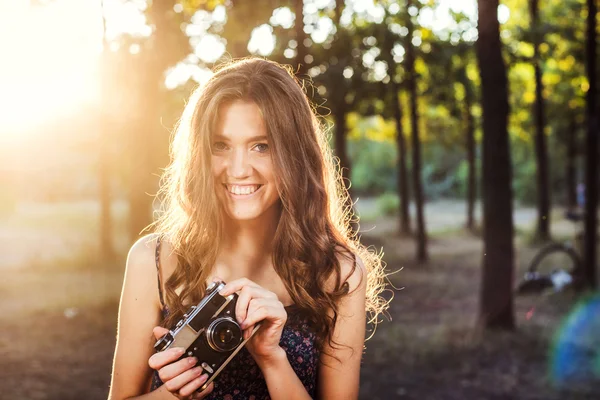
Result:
238,165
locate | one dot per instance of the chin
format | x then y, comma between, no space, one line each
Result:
243,215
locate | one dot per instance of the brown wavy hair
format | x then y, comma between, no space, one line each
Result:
313,230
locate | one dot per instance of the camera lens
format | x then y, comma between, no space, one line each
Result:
163,342
224,334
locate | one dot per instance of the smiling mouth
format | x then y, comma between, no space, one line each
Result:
242,190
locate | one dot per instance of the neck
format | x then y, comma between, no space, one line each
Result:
247,245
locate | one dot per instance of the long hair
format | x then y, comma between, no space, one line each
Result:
313,228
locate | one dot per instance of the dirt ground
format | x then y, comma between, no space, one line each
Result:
58,321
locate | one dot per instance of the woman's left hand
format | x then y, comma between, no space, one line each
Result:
256,304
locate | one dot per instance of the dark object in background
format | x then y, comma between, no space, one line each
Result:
209,332
535,282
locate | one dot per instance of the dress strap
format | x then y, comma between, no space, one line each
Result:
158,274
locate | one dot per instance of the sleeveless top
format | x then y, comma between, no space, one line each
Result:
242,379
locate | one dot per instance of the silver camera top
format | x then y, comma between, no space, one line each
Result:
184,323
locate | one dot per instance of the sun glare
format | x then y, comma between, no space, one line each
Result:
49,62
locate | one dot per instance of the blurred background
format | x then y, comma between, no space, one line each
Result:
415,95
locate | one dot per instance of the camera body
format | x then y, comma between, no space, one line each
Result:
209,332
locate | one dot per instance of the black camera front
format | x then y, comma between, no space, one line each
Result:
224,334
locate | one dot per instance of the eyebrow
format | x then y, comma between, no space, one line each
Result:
250,139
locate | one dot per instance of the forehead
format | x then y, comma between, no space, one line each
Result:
240,120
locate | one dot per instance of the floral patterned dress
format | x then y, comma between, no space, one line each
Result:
242,379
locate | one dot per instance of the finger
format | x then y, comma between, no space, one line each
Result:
204,393
162,358
248,332
241,306
170,371
236,285
194,385
247,295
159,332
269,312
182,380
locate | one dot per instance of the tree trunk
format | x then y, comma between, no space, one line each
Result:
591,163
168,45
571,173
471,146
541,151
402,170
106,247
340,141
300,37
416,146
340,110
496,305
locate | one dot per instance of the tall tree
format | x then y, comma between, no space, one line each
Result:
541,151
300,38
166,46
571,173
387,44
416,141
471,146
496,301
340,106
591,162
104,161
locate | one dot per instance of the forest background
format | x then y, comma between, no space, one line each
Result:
439,122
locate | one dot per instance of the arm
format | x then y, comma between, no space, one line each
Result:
139,312
282,381
135,359
339,378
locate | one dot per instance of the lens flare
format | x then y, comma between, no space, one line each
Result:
575,353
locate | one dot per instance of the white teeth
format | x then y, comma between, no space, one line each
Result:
247,189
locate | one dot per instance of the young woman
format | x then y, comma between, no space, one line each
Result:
252,197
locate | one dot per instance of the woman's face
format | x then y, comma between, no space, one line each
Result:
241,163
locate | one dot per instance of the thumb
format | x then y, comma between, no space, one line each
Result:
159,332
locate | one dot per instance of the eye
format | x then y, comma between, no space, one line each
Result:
262,147
219,146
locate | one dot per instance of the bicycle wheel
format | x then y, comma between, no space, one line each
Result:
555,257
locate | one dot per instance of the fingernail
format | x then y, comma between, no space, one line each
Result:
178,351
197,370
203,378
192,360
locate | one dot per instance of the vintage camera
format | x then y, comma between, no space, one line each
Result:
209,332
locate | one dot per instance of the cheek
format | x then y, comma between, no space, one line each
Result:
266,169
216,167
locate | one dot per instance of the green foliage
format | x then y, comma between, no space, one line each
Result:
373,166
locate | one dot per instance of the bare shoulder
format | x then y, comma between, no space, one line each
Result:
140,270
142,252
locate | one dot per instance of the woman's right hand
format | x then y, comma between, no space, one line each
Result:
181,378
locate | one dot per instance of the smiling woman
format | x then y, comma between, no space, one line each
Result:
49,63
